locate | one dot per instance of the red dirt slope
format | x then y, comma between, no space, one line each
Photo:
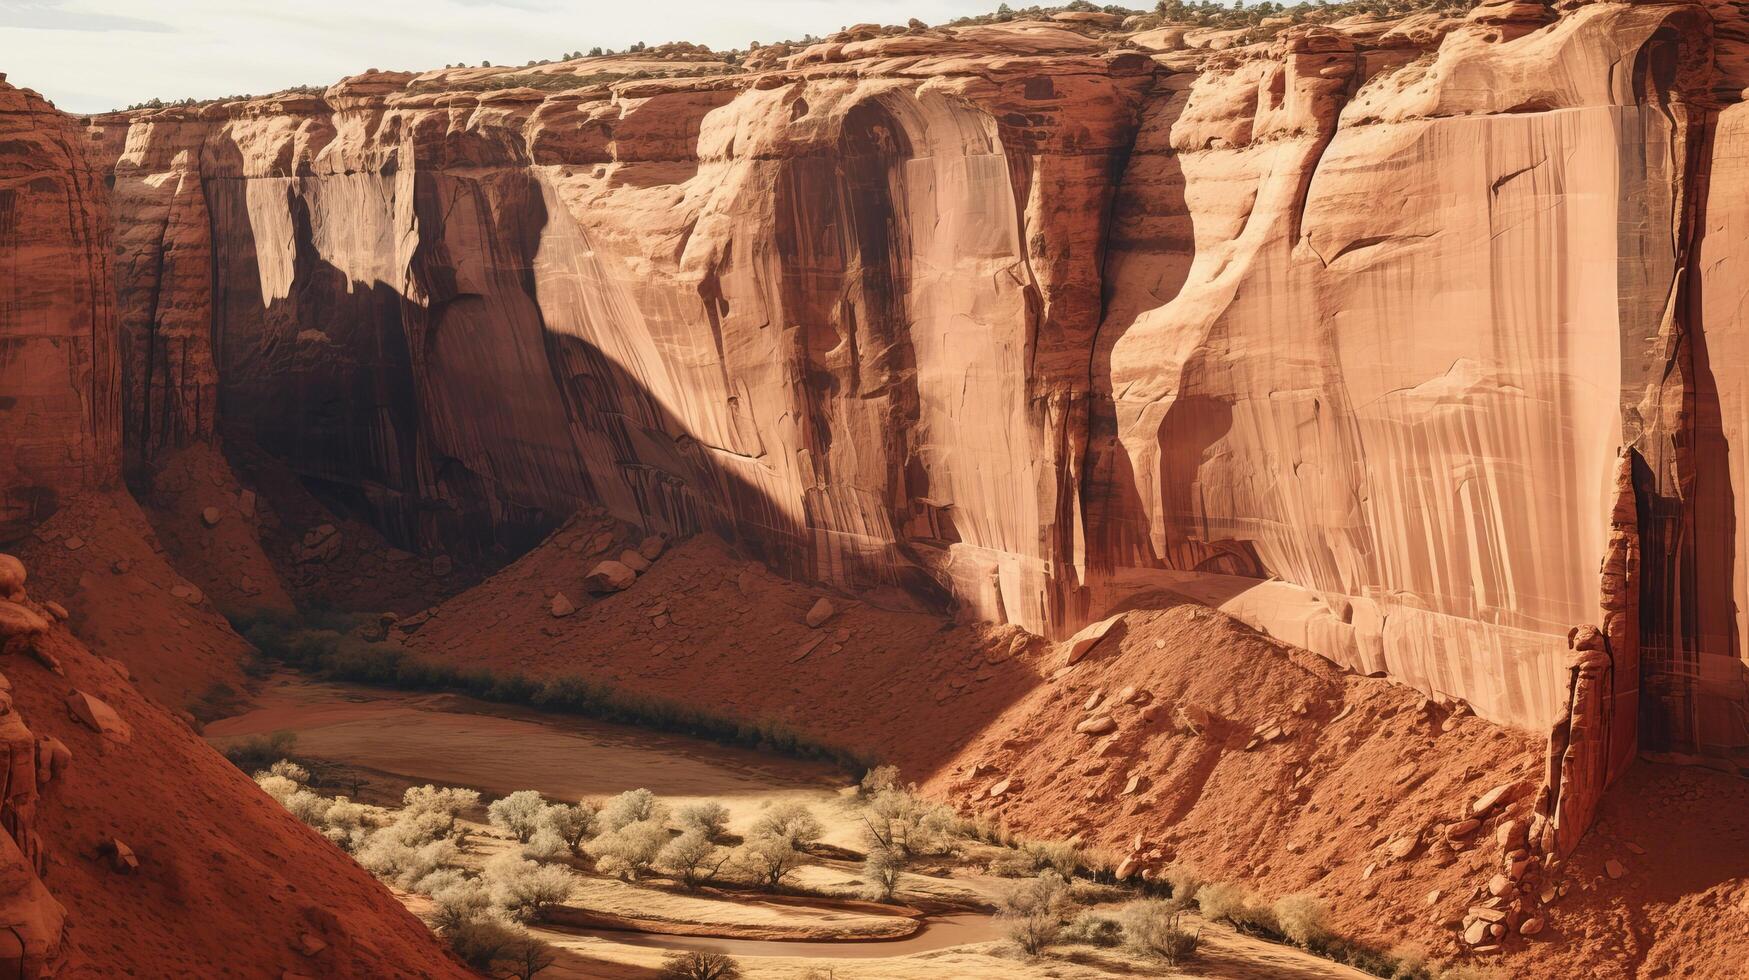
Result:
228,883
99,558
1366,775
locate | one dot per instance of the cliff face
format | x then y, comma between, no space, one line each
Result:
1410,341
59,419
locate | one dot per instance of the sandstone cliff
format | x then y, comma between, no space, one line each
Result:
60,421
127,846
1354,331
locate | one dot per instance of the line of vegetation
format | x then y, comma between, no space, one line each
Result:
327,645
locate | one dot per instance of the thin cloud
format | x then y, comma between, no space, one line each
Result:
53,15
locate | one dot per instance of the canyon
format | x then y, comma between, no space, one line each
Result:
1382,364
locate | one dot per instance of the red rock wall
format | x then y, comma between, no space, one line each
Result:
59,419
1346,332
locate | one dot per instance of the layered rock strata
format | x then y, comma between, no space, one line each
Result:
1384,335
59,370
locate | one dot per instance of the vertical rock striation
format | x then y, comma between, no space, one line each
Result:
1387,336
59,370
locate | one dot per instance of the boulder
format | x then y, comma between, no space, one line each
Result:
634,561
1098,725
1083,642
121,857
651,547
561,606
310,944
1489,800
92,712
211,516
320,544
820,613
1615,869
20,621
12,576
52,759
609,576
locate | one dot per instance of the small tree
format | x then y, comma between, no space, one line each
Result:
445,803
527,890
709,818
769,858
697,965
693,857
791,822
455,898
545,845
481,940
632,806
572,822
629,850
517,814
1151,928
881,871
522,958
1034,912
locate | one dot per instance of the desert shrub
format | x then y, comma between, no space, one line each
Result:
438,806
404,865
523,958
260,751
282,782
692,857
545,844
791,822
526,890
1033,913
769,858
630,850
1093,929
571,821
1032,857
896,819
455,897
697,965
881,871
1302,918
517,814
1151,928
1222,900
480,940
290,770
632,806
498,948
879,780
347,823
1183,883
709,818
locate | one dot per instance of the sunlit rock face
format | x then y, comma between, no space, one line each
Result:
1411,342
59,424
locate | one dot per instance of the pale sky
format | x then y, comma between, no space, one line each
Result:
96,55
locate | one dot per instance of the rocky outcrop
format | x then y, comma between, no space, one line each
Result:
1349,330
221,880
59,415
